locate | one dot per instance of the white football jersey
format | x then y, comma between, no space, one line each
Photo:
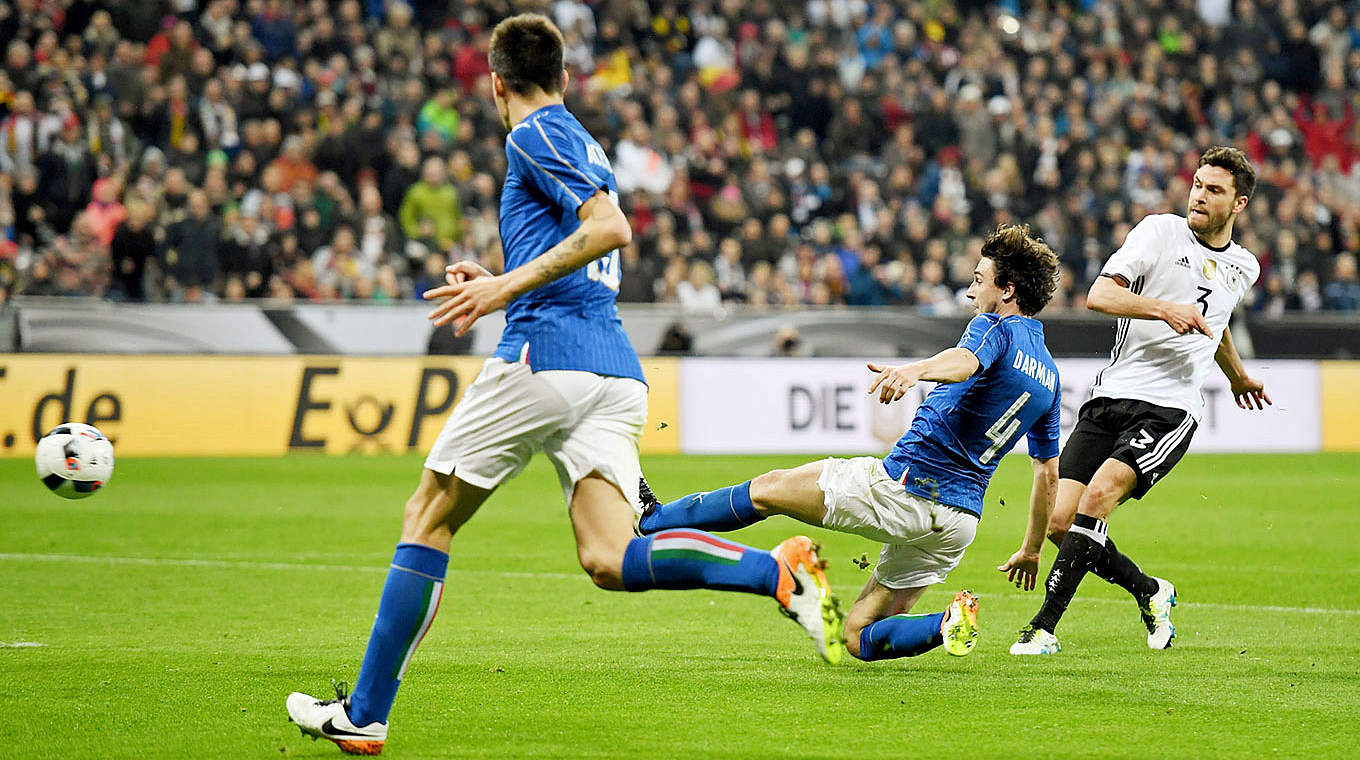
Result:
1162,258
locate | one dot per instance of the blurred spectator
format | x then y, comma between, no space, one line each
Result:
191,250
105,212
133,245
697,291
787,342
431,208
676,341
1343,292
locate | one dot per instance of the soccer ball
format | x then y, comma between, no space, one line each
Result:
74,460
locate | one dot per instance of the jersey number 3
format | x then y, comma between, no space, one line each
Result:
1203,299
1001,431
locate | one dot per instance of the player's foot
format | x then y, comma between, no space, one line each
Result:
647,500
328,719
805,595
959,627
1156,611
1035,641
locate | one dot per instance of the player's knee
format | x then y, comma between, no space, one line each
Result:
765,490
852,631
605,570
1099,499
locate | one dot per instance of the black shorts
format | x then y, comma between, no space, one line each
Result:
1149,438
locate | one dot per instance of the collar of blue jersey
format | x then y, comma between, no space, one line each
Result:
543,110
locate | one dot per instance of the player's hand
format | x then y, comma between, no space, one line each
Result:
463,271
1185,318
1022,569
1249,393
893,383
466,302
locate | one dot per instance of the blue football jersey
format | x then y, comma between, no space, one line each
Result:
571,323
962,430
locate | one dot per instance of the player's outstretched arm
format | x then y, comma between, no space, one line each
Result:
603,228
1249,393
1022,568
952,365
1111,295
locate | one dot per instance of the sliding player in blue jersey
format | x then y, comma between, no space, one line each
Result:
564,380
924,499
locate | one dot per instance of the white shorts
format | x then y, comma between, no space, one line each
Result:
922,540
582,421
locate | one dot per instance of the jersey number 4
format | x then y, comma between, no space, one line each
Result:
605,270
1001,431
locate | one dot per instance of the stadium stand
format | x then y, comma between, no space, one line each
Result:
769,153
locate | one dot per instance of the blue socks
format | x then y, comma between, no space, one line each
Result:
724,509
900,636
681,559
409,601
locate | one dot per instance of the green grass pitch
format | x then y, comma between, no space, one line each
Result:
173,612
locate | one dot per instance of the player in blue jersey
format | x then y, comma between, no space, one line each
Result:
564,380
924,499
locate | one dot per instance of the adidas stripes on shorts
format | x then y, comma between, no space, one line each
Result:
1150,439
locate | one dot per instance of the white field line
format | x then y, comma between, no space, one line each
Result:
235,564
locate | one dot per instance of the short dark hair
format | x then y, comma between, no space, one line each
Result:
1235,162
526,52
1024,261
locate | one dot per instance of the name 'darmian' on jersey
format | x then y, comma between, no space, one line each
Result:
1035,369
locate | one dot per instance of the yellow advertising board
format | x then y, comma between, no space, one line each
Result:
1340,406
259,406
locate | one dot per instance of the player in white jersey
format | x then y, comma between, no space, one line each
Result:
1173,285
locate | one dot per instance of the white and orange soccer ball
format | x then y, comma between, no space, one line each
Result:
74,460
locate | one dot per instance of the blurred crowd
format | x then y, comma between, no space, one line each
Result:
768,152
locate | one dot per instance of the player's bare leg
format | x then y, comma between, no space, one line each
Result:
684,558
878,626
786,492
1109,487
1064,509
357,723
602,520
793,493
440,506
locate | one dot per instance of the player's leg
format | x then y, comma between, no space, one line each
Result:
488,438
440,505
794,492
1101,426
685,558
1084,544
597,464
357,722
879,626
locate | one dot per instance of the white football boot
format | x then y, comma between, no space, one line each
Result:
328,719
1035,641
1156,611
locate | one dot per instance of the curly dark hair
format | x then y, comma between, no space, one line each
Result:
526,52
1024,261
1236,163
